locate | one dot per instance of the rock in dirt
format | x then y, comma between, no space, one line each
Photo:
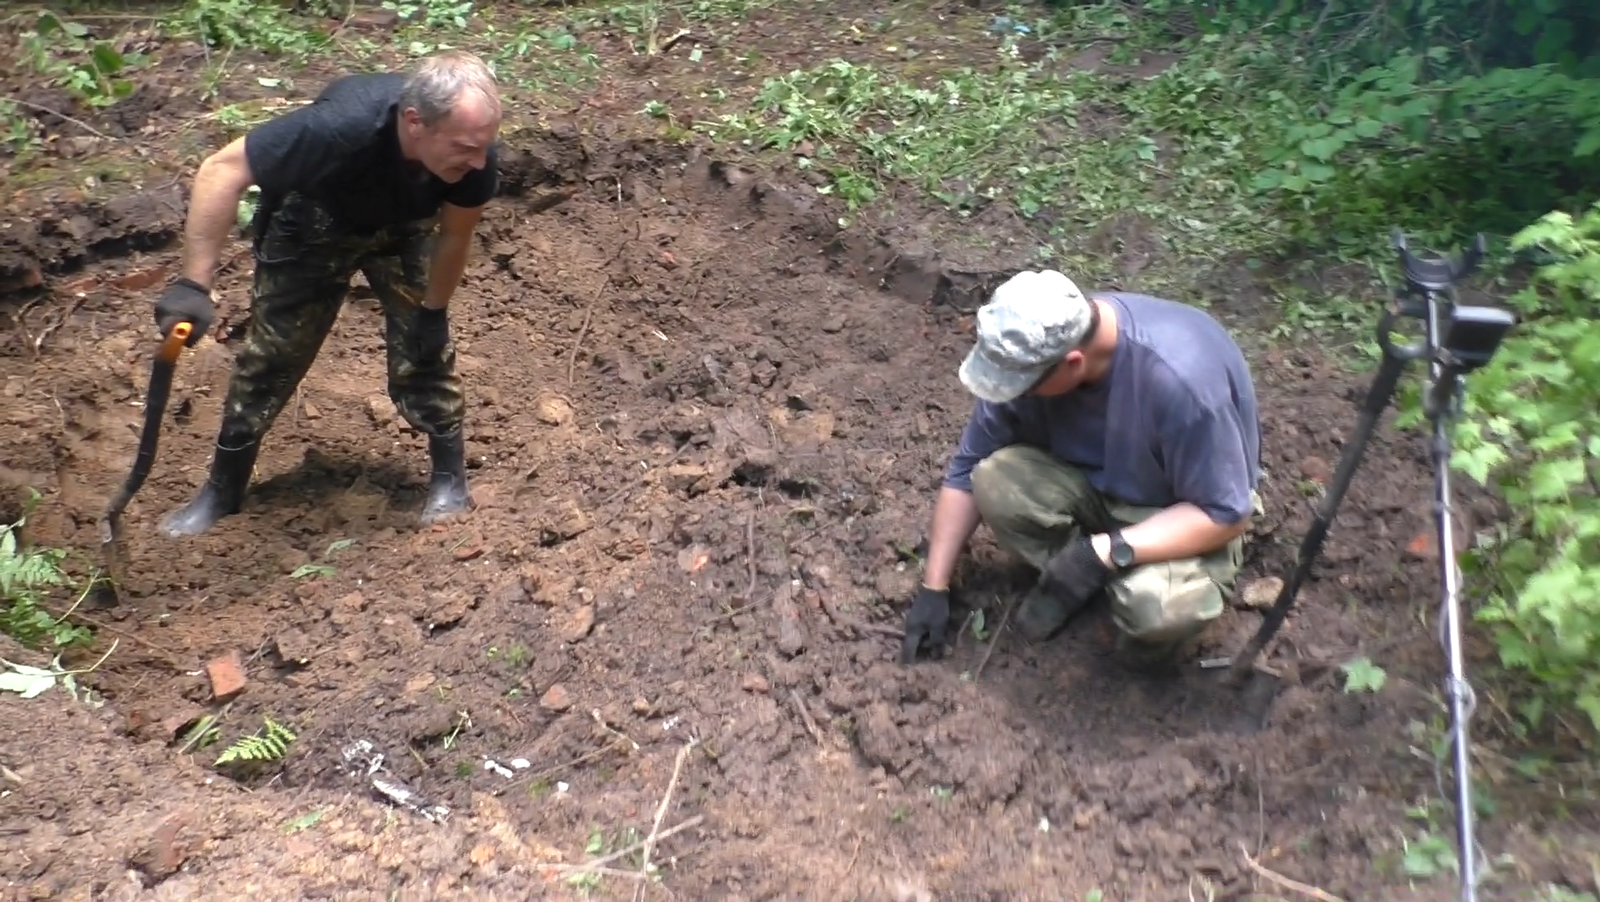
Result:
163,854
556,699
1316,469
293,646
381,410
553,411
1261,593
445,611
578,624
791,635
226,673
755,682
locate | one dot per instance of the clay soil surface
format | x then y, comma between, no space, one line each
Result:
705,429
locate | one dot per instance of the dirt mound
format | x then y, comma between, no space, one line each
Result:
705,428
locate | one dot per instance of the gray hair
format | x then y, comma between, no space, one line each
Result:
438,82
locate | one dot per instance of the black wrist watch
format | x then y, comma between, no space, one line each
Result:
1121,551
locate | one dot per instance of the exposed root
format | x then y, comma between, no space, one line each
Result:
1285,882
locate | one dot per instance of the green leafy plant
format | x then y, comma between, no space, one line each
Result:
27,577
270,743
1531,429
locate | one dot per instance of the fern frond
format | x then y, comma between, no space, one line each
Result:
271,743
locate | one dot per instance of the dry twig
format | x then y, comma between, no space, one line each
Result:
590,867
750,556
62,116
999,631
1285,882
661,812
805,716
577,343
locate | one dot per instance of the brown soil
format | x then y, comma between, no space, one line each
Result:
690,394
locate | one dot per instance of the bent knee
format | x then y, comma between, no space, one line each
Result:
1004,470
1166,602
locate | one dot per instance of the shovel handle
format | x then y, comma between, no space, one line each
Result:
172,345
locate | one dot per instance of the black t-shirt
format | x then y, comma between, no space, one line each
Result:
343,149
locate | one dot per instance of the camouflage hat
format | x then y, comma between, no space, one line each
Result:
1030,323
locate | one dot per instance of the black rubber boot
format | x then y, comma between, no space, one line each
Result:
447,490
223,493
1041,615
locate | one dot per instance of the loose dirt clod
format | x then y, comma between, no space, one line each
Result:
556,699
791,634
1261,593
578,624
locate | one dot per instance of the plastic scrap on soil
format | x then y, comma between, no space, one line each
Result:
361,756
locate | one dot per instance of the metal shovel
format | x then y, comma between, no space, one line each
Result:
155,408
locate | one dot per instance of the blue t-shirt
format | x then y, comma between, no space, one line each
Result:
1173,420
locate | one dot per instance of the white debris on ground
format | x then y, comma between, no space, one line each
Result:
362,759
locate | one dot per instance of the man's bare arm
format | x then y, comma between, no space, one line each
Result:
214,210
955,517
1181,531
456,225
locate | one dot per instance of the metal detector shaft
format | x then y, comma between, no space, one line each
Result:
1378,398
1462,700
1458,339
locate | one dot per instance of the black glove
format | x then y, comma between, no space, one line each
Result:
432,333
927,619
1075,573
185,300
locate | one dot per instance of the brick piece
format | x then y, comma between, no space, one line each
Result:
226,673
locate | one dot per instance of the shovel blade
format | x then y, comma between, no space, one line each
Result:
113,556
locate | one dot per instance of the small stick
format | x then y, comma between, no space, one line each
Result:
750,555
622,853
577,344
38,341
661,810
1000,631
557,768
595,713
171,657
60,115
1285,882
811,725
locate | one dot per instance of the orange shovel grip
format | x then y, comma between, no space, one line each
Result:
172,345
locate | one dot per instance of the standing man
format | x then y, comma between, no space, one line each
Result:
1115,447
386,173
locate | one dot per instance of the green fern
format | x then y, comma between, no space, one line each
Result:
270,743
27,576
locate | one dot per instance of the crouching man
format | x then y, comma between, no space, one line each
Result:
386,173
1115,447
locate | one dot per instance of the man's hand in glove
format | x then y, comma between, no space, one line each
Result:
432,334
927,619
188,301
1075,574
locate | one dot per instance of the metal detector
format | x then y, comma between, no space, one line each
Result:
1457,340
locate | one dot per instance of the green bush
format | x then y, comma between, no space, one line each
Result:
1531,429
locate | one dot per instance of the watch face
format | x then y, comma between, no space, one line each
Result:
1121,553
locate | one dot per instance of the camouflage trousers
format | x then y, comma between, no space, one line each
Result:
1036,504
304,264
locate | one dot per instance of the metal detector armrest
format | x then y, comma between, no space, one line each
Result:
1438,273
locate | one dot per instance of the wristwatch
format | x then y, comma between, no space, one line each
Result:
1121,551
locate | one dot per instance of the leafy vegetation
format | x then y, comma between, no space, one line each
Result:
1532,429
268,744
27,578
